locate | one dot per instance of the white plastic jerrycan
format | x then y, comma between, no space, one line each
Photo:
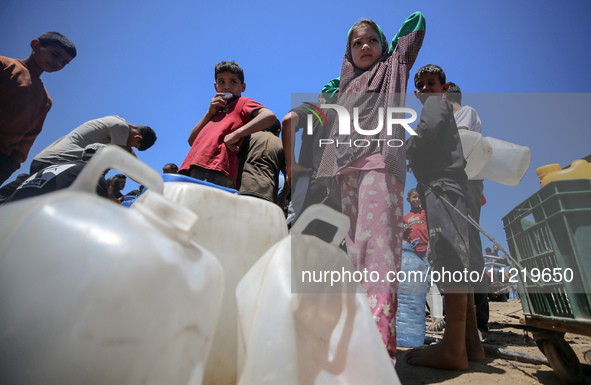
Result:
93,293
508,164
293,331
238,230
477,151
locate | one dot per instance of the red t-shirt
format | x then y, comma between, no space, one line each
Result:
208,150
417,220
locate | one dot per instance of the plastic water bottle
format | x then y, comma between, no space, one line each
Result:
412,292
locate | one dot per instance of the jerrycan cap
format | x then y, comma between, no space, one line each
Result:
161,211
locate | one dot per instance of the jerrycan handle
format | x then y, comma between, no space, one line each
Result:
326,214
115,157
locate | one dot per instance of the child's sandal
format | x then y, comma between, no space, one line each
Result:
437,327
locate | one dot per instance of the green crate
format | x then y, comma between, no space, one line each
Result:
552,229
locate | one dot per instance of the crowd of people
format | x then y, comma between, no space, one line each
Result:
237,145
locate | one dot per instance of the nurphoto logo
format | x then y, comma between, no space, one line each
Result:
317,112
344,122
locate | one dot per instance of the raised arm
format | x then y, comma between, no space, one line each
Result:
410,35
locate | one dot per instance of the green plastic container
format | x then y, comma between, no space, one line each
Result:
549,235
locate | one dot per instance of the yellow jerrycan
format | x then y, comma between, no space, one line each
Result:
579,169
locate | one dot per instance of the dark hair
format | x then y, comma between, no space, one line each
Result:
172,166
274,128
56,38
111,182
148,137
454,93
229,66
410,192
430,69
120,176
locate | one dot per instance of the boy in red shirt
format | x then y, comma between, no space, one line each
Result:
415,224
216,138
415,227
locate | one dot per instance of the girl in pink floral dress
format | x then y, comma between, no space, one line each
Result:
366,178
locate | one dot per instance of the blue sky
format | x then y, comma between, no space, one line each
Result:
151,62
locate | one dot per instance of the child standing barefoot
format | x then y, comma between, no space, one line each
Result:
438,163
367,181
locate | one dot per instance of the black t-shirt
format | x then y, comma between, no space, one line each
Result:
54,178
436,150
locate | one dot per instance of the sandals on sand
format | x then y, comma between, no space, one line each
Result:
437,327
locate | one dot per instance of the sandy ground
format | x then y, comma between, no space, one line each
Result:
508,333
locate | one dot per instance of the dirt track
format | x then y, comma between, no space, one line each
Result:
508,333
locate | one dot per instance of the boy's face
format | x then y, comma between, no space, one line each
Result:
414,200
229,82
366,48
429,84
50,58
